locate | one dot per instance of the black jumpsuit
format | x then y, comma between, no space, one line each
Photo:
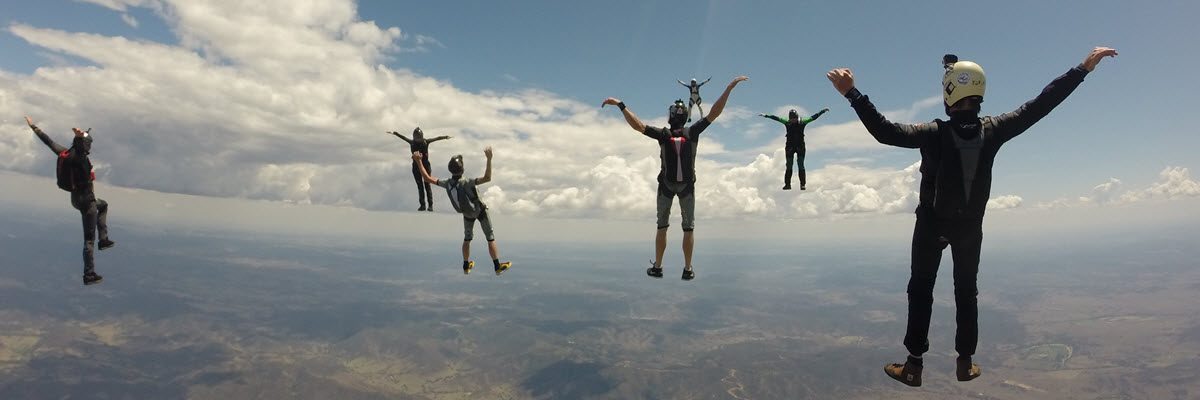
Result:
423,191
93,211
953,200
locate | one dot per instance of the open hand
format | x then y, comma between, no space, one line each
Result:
488,152
762,115
738,79
29,121
842,79
825,110
1096,55
610,102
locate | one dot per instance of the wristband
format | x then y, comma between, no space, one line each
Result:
621,105
853,94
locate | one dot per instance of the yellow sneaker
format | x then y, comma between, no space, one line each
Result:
503,267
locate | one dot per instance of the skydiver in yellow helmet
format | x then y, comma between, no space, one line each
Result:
956,180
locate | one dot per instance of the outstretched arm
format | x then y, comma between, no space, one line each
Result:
884,131
814,116
438,138
719,106
421,165
1011,124
55,147
633,120
487,173
705,81
406,140
681,83
772,117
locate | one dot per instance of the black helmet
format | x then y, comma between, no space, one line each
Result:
793,114
677,114
418,134
456,165
83,143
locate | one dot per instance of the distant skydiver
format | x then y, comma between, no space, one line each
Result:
75,175
419,144
956,180
677,177
795,143
694,88
464,196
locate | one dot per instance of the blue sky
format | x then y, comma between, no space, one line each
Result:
472,68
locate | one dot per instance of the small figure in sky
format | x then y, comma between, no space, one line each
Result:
694,100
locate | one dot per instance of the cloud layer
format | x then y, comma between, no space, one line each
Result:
288,100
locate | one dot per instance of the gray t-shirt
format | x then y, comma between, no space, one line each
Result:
464,196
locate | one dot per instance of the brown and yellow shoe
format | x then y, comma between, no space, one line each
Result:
966,370
907,373
92,278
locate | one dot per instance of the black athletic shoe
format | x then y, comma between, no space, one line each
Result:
106,244
801,187
787,187
467,267
422,208
502,267
92,278
689,274
430,209
654,271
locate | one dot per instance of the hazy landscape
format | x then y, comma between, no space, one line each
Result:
221,315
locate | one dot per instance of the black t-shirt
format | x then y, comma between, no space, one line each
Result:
677,151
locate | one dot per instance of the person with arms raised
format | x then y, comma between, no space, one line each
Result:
956,178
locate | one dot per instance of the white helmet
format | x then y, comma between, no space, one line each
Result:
962,79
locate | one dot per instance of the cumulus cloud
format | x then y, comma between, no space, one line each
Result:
1004,202
1103,193
287,100
1173,183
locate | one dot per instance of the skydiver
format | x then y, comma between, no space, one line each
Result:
419,144
464,196
677,177
794,146
75,175
956,178
694,89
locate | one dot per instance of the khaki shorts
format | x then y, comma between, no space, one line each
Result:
484,222
687,204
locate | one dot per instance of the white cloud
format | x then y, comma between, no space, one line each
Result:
1174,183
293,107
1103,193
129,19
1004,202
121,5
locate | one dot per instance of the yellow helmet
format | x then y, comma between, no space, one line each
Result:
962,79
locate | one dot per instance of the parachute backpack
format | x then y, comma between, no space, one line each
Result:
66,176
463,199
